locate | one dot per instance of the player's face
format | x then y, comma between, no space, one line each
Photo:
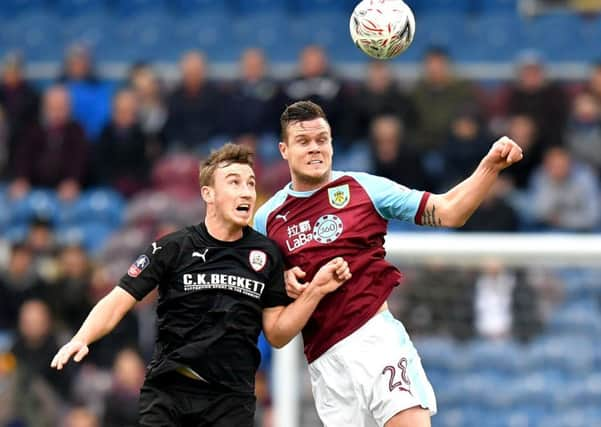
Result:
232,196
308,150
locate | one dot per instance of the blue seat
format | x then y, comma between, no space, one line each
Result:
496,6
205,32
486,38
440,29
504,356
199,6
92,236
36,204
15,232
137,7
320,6
329,30
443,6
79,7
556,353
581,316
268,31
11,8
99,205
251,7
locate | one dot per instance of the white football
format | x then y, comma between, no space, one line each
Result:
382,29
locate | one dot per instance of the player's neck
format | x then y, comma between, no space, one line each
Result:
222,230
302,184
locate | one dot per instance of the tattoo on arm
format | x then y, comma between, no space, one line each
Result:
430,219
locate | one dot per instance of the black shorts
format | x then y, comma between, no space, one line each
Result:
175,400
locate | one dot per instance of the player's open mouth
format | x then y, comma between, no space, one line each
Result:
315,162
244,207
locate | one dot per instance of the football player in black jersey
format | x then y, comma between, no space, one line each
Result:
219,283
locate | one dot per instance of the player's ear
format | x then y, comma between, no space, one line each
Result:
283,150
207,193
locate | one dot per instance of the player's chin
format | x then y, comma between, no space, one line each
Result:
242,218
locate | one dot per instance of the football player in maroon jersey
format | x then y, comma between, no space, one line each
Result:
364,369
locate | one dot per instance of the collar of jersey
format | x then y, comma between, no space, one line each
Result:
335,176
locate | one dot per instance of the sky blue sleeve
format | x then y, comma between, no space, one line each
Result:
260,221
391,200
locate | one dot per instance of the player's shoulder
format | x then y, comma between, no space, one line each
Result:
259,241
178,236
262,214
273,202
366,180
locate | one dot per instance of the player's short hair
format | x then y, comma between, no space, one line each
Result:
300,111
225,156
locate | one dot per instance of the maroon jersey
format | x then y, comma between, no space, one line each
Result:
348,217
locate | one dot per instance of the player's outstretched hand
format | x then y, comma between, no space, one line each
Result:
77,348
332,275
292,279
503,153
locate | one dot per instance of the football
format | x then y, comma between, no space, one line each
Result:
382,29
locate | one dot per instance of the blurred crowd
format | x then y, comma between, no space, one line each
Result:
144,138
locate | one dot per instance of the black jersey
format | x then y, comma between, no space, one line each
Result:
211,297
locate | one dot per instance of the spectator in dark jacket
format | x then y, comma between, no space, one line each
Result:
534,95
19,100
52,153
256,99
195,107
122,157
380,95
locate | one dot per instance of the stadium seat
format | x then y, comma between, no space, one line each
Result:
487,38
137,7
204,32
10,8
443,6
268,31
577,317
251,7
505,357
98,205
37,204
329,30
320,6
496,6
15,232
92,235
78,7
207,7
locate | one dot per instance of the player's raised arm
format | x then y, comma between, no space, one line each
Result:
281,324
453,208
103,318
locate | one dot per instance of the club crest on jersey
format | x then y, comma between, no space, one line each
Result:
339,196
257,260
138,266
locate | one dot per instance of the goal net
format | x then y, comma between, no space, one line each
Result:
507,326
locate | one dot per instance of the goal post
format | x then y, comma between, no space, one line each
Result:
450,248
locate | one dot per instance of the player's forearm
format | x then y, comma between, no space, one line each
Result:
102,319
294,317
463,199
